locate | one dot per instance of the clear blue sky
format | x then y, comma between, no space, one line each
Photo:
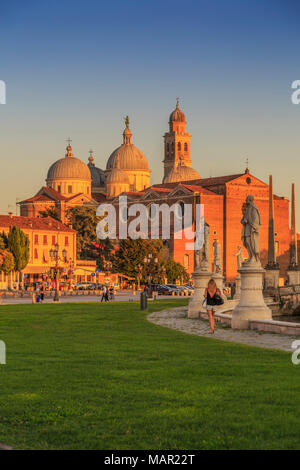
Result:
75,68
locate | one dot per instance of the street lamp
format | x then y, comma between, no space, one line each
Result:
54,255
147,261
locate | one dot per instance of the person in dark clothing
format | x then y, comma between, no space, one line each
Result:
42,292
104,294
211,295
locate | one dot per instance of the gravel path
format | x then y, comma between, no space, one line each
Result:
177,320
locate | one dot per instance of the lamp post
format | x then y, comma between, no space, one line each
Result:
54,255
147,261
139,275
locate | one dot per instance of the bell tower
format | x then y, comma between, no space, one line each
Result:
177,142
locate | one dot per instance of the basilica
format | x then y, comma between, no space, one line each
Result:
71,182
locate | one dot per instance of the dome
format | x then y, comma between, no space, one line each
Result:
182,173
69,167
172,177
117,176
130,157
187,173
97,175
177,115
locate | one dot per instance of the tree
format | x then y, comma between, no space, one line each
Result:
18,245
106,248
84,220
176,271
130,258
7,261
51,212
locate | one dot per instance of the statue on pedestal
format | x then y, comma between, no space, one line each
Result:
202,256
217,267
251,222
239,257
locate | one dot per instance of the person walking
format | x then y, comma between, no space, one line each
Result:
213,298
42,292
104,294
111,293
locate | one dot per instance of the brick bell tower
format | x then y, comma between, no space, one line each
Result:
177,142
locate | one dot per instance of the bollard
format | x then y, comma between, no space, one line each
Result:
33,298
173,293
143,301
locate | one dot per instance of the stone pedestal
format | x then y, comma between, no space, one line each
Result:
271,279
293,277
251,305
201,279
218,278
237,294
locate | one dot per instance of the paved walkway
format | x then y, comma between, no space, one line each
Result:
177,320
119,297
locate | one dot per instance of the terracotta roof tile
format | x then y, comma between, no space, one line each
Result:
33,223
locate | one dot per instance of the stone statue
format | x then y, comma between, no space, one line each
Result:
250,232
217,268
239,257
202,256
126,119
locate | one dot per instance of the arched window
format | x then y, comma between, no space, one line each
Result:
179,146
168,148
185,147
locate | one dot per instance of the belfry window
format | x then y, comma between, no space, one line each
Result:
185,147
179,146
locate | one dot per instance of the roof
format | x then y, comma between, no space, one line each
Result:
33,223
45,194
197,189
215,181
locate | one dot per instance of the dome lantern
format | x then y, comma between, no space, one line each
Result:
127,134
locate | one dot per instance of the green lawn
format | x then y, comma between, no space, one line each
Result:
95,376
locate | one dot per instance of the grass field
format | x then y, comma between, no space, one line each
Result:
95,376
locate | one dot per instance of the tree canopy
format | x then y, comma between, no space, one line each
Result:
18,245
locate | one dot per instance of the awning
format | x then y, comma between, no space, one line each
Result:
36,270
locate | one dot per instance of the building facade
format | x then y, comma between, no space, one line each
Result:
70,182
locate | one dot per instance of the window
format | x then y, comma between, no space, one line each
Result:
53,240
179,146
36,254
45,240
70,189
66,241
59,188
186,261
36,239
168,148
185,147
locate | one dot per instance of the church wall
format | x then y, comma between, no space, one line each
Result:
213,214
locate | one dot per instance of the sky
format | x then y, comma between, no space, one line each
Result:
75,69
